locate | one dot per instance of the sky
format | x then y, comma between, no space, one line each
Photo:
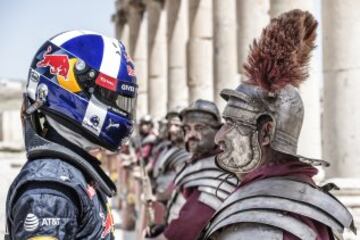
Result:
26,24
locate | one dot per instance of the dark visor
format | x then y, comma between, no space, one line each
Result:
120,102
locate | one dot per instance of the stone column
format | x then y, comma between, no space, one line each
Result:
200,50
178,33
124,36
341,131
157,50
310,138
138,51
120,19
252,17
225,48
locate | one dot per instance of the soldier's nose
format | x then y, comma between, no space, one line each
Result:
189,135
219,137
172,129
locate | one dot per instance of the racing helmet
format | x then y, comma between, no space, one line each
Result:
86,82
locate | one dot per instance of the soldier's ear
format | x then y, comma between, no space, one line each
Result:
265,133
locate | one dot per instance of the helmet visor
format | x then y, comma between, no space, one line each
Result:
126,105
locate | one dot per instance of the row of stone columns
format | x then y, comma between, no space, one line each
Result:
184,50
189,49
174,49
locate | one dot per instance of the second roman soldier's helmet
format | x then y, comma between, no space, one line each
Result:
277,64
173,115
204,111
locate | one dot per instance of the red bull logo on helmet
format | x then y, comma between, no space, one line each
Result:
58,63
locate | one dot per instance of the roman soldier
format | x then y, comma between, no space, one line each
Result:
146,140
200,187
162,142
171,158
277,197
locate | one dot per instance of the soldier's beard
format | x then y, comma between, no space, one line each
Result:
241,153
203,143
192,145
200,147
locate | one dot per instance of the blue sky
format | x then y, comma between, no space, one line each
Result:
26,24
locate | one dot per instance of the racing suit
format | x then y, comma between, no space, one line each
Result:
60,193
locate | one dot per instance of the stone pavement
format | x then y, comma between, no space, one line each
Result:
11,164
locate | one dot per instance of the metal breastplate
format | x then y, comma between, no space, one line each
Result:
267,202
204,175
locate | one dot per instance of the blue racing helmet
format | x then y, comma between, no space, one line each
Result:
87,82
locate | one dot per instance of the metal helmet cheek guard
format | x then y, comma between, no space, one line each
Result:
248,103
86,82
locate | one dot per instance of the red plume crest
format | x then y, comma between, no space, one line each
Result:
281,55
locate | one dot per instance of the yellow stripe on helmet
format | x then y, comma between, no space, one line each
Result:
70,83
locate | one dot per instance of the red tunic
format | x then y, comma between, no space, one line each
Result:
193,217
303,172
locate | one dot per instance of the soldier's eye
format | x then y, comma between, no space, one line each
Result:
199,127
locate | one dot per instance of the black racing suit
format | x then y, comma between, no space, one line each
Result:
60,193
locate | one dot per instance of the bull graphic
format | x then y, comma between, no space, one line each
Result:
58,63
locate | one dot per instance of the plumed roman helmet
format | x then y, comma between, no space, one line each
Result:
276,65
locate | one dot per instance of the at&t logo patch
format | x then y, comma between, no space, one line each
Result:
31,222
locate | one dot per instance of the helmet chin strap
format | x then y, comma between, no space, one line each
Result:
71,136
